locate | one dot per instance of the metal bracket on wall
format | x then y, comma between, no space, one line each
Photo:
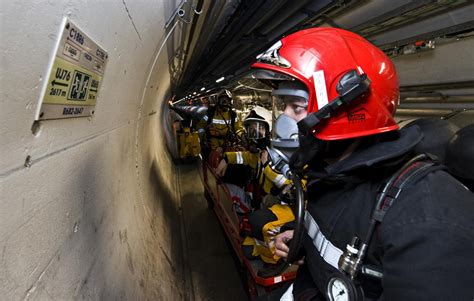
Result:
180,12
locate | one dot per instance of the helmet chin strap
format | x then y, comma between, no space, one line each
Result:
351,87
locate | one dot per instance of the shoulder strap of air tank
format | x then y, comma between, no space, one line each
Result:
210,114
233,116
421,166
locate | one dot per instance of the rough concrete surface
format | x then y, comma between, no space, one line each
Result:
89,208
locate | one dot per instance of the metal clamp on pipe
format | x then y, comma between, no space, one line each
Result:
180,12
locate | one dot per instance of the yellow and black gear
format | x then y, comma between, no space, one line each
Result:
244,158
220,125
266,177
266,222
188,143
263,244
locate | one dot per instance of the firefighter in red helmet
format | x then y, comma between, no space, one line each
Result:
381,222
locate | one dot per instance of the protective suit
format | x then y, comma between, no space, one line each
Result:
221,125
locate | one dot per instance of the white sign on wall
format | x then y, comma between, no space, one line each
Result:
74,76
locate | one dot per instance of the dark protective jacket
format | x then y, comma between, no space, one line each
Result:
425,244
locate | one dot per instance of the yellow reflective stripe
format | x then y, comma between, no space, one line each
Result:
279,181
219,121
239,158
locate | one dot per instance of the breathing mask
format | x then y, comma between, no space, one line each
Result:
224,102
283,143
257,131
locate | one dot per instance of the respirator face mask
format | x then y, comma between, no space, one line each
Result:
255,129
284,142
257,132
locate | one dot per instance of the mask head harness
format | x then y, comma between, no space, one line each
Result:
293,89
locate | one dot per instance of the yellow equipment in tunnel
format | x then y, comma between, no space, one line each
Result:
188,143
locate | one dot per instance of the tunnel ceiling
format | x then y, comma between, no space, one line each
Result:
223,37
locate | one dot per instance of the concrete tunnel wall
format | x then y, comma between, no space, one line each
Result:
89,206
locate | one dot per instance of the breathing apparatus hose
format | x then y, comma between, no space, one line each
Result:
295,243
299,207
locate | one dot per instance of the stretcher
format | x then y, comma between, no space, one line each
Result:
224,205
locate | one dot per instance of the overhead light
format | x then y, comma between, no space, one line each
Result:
203,88
208,91
194,93
220,79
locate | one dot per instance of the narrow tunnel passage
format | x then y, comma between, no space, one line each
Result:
212,269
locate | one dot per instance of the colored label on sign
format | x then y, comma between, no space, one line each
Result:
71,51
71,85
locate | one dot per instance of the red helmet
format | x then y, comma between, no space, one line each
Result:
323,59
